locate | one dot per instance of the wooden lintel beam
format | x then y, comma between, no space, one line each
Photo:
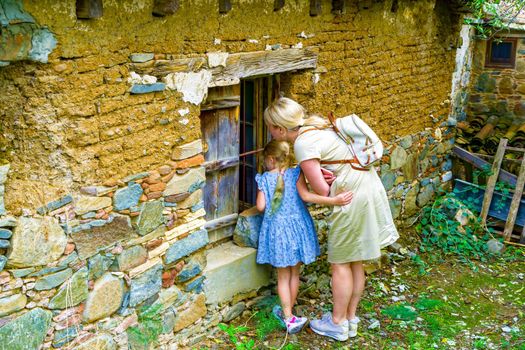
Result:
89,9
315,7
225,6
278,4
163,8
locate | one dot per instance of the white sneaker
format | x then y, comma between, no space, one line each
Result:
326,326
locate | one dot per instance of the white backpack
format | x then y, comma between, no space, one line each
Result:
364,144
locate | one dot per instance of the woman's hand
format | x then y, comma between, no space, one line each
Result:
328,176
343,198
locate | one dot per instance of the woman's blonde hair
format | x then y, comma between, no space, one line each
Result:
288,114
280,151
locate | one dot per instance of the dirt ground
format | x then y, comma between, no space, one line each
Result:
427,301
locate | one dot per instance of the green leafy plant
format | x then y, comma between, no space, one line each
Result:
234,335
149,327
492,16
266,324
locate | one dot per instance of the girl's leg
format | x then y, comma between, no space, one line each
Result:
341,290
294,283
358,275
283,289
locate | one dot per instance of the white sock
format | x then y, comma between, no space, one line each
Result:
354,320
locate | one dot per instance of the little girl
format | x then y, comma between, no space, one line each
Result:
287,237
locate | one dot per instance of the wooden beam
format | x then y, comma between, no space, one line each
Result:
161,68
338,7
225,6
479,163
89,9
315,8
487,199
216,165
243,65
278,4
163,8
225,102
515,204
221,222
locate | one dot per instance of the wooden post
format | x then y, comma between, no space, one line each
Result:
338,7
315,8
89,9
515,204
487,199
225,6
163,8
278,4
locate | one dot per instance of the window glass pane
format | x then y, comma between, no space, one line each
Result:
501,52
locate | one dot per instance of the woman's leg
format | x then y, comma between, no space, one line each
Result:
341,290
358,281
283,289
294,283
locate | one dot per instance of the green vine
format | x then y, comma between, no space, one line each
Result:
149,327
492,16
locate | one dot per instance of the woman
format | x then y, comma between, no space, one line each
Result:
358,230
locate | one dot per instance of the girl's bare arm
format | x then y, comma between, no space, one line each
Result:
260,201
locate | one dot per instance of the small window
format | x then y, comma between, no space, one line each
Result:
501,53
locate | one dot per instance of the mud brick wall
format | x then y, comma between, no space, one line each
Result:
101,167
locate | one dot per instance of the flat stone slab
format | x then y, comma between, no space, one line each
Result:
232,270
26,332
88,242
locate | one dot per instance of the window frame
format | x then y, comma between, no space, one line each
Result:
488,53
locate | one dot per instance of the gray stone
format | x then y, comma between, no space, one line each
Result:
69,260
8,221
395,207
425,195
36,242
410,206
135,177
183,183
186,246
47,271
22,272
191,312
12,303
100,342
194,285
99,264
42,43
246,233
234,312
147,88
64,336
85,204
406,142
4,169
97,190
4,244
104,299
73,292
5,233
26,332
55,204
494,246
388,179
189,271
132,257
231,270
150,217
168,320
187,150
88,242
141,57
398,158
53,280
170,296
145,285
127,197
3,261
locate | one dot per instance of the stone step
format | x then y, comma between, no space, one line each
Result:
232,270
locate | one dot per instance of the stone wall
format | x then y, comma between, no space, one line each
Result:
102,169
497,91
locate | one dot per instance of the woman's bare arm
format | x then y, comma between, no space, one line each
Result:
312,170
307,196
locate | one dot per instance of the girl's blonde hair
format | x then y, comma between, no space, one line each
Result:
280,151
288,114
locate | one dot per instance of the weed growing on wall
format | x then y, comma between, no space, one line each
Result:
490,17
149,327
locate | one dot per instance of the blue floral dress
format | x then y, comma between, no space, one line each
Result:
287,236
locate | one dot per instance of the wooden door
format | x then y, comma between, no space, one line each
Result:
220,130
